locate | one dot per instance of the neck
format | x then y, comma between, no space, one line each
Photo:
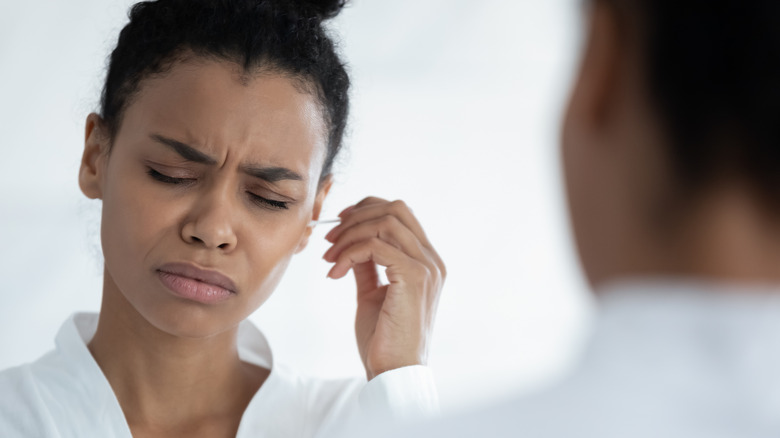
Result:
729,236
724,236
166,382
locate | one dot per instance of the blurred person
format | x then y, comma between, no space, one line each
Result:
212,154
671,156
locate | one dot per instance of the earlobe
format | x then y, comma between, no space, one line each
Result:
322,193
92,161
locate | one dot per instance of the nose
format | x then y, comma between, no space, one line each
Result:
210,223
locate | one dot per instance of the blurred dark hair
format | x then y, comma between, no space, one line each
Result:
713,72
281,36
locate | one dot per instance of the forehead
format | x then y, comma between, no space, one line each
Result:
220,109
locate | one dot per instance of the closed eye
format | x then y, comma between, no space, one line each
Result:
268,203
168,179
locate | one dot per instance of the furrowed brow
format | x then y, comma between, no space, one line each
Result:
272,174
186,151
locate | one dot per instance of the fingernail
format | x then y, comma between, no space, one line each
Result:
346,211
331,233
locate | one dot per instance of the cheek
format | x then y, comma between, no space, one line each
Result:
133,222
268,250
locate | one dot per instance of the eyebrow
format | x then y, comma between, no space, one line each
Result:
189,153
271,174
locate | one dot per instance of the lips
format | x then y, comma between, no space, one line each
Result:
196,284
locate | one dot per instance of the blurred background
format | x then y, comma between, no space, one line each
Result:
456,108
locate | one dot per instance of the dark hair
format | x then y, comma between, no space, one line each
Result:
713,72
281,36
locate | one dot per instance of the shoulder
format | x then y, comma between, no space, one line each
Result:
22,408
30,395
292,404
319,397
397,397
63,393
323,392
402,394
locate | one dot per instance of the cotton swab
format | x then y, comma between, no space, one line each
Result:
324,221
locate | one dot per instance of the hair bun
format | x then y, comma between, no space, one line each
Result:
321,9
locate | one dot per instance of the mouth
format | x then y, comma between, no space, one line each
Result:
193,283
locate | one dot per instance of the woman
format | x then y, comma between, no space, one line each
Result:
212,154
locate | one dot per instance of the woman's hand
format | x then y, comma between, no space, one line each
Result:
394,322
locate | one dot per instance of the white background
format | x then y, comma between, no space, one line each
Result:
456,109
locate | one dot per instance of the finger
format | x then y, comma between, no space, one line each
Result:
366,276
377,251
387,228
346,211
365,201
372,208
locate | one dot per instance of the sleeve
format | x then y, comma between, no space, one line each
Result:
401,395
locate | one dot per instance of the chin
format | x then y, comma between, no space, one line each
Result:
190,321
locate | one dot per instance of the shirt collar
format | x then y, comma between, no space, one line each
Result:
74,363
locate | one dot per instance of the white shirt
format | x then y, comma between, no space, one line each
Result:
65,394
666,359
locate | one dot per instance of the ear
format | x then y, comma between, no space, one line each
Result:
322,193
92,170
597,86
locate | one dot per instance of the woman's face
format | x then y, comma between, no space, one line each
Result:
210,170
